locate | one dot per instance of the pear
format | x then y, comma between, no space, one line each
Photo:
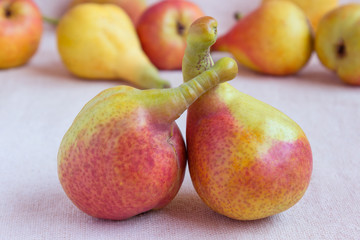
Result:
274,39
247,160
314,9
134,8
99,41
124,154
337,42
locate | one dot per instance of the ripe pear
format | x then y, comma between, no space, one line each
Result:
337,42
99,41
124,154
247,160
134,8
274,39
314,9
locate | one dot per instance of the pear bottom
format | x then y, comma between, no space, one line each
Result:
123,176
246,159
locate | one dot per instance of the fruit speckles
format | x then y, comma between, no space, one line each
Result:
118,177
124,154
242,172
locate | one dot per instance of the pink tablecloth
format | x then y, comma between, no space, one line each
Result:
39,101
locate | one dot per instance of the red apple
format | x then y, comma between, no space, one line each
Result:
162,31
20,31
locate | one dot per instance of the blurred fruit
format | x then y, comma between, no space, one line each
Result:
314,9
99,41
274,39
134,8
20,32
337,42
162,31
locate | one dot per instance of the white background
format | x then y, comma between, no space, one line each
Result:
39,101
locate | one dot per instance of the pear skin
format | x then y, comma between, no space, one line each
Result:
124,154
337,42
247,160
134,8
274,39
314,9
99,41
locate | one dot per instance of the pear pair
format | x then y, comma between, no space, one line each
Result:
124,154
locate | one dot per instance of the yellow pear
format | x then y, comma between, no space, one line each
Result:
99,41
314,9
134,8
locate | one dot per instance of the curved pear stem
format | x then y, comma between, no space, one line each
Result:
171,103
225,69
201,36
203,62
199,73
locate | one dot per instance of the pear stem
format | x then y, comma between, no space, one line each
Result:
195,61
52,21
191,90
149,78
177,100
202,35
200,74
238,16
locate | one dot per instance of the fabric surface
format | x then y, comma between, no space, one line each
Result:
39,101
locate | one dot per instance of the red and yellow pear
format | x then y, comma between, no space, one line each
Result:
247,160
274,39
314,9
124,154
337,42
